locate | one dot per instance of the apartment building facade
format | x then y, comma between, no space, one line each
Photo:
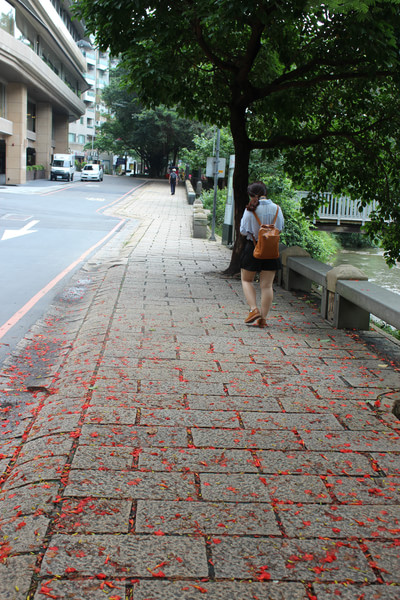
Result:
82,132
42,83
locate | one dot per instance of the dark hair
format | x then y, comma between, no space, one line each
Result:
258,188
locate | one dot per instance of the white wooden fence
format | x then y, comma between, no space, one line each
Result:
341,209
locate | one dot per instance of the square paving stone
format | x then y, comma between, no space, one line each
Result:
217,590
93,515
25,533
352,592
81,589
362,420
345,393
206,376
336,521
119,372
293,403
133,484
110,414
129,556
103,457
275,440
303,351
211,366
387,557
365,490
241,403
260,420
34,471
256,488
352,440
198,460
34,499
249,388
117,435
15,577
388,462
113,387
190,418
208,518
388,380
48,446
160,400
314,463
159,353
299,560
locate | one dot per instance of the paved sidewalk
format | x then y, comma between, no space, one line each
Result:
156,448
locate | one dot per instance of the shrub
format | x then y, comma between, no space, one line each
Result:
207,198
298,231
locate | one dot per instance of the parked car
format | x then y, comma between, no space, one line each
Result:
92,172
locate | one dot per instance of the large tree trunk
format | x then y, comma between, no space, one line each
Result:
240,183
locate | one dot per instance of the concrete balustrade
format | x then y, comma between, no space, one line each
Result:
190,193
347,297
200,220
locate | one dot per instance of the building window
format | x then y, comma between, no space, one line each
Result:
72,138
31,116
81,139
7,17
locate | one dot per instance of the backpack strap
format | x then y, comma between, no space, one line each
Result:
259,222
273,222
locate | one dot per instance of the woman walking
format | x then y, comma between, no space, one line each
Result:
249,227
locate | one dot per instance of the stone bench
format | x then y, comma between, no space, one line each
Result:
302,271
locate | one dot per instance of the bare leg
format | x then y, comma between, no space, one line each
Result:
248,288
267,292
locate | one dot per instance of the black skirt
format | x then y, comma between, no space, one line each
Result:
249,263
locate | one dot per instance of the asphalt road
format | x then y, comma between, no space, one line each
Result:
47,229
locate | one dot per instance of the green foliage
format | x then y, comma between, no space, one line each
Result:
155,135
354,240
204,145
317,84
208,203
387,328
298,231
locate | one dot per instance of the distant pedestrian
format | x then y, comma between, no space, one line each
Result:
173,180
265,210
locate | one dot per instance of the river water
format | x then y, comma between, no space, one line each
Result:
373,264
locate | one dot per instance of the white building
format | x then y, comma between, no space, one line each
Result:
83,131
41,83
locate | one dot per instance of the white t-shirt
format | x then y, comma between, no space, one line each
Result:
266,211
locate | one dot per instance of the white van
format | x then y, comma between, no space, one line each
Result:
63,167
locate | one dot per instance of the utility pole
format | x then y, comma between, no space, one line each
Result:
216,168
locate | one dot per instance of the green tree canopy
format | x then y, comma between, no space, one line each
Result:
318,83
156,135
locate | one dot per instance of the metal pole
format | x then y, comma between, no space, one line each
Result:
216,165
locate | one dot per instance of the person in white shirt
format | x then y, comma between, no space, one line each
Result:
265,210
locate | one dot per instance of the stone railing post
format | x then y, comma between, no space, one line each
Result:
340,312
